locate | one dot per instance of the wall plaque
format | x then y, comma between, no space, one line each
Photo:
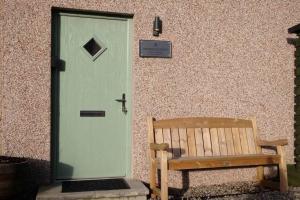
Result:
155,49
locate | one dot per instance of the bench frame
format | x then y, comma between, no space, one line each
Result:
165,164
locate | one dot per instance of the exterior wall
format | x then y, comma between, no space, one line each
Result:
230,59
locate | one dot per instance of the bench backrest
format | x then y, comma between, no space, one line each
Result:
203,136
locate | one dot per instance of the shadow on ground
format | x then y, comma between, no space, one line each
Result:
232,191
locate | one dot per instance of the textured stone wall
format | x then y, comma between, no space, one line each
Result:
230,59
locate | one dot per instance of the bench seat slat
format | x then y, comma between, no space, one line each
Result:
215,141
222,141
222,161
229,141
183,142
159,138
199,141
175,142
244,142
207,142
251,140
191,141
236,141
167,139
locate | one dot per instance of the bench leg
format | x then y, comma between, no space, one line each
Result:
153,171
282,170
164,175
260,173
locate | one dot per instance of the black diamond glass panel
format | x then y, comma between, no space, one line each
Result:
92,47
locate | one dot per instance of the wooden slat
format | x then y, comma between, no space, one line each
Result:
159,136
222,141
158,139
199,141
280,142
203,122
183,142
222,161
214,141
167,139
164,175
207,142
236,141
153,170
229,141
260,169
191,141
282,170
159,147
244,142
150,134
251,142
254,125
175,142
152,155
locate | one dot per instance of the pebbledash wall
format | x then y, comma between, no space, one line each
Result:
230,59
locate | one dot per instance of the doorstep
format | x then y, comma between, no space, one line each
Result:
137,191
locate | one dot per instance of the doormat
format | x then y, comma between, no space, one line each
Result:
93,185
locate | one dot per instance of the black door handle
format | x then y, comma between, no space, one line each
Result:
123,101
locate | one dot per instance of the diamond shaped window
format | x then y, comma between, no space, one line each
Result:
94,48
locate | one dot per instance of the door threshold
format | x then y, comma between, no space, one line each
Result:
137,190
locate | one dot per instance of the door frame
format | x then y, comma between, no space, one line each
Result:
55,26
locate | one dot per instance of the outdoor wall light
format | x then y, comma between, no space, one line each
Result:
157,26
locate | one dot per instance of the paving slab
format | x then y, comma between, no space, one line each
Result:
137,191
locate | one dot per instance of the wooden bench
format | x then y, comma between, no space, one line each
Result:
206,143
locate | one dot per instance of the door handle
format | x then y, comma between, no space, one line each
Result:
123,101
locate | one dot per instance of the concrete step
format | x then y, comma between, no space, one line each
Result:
137,191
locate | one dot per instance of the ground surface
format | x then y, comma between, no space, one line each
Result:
237,191
244,190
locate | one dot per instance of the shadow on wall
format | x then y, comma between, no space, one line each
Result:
40,174
33,175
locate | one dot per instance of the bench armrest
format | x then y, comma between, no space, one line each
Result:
159,147
274,143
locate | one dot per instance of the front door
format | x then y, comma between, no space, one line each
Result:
92,97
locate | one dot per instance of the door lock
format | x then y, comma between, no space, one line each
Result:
123,101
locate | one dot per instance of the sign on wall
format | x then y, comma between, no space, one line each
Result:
155,49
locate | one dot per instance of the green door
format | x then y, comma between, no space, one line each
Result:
93,127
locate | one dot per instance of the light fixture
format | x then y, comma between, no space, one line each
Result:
157,26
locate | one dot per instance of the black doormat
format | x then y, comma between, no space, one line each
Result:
93,185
